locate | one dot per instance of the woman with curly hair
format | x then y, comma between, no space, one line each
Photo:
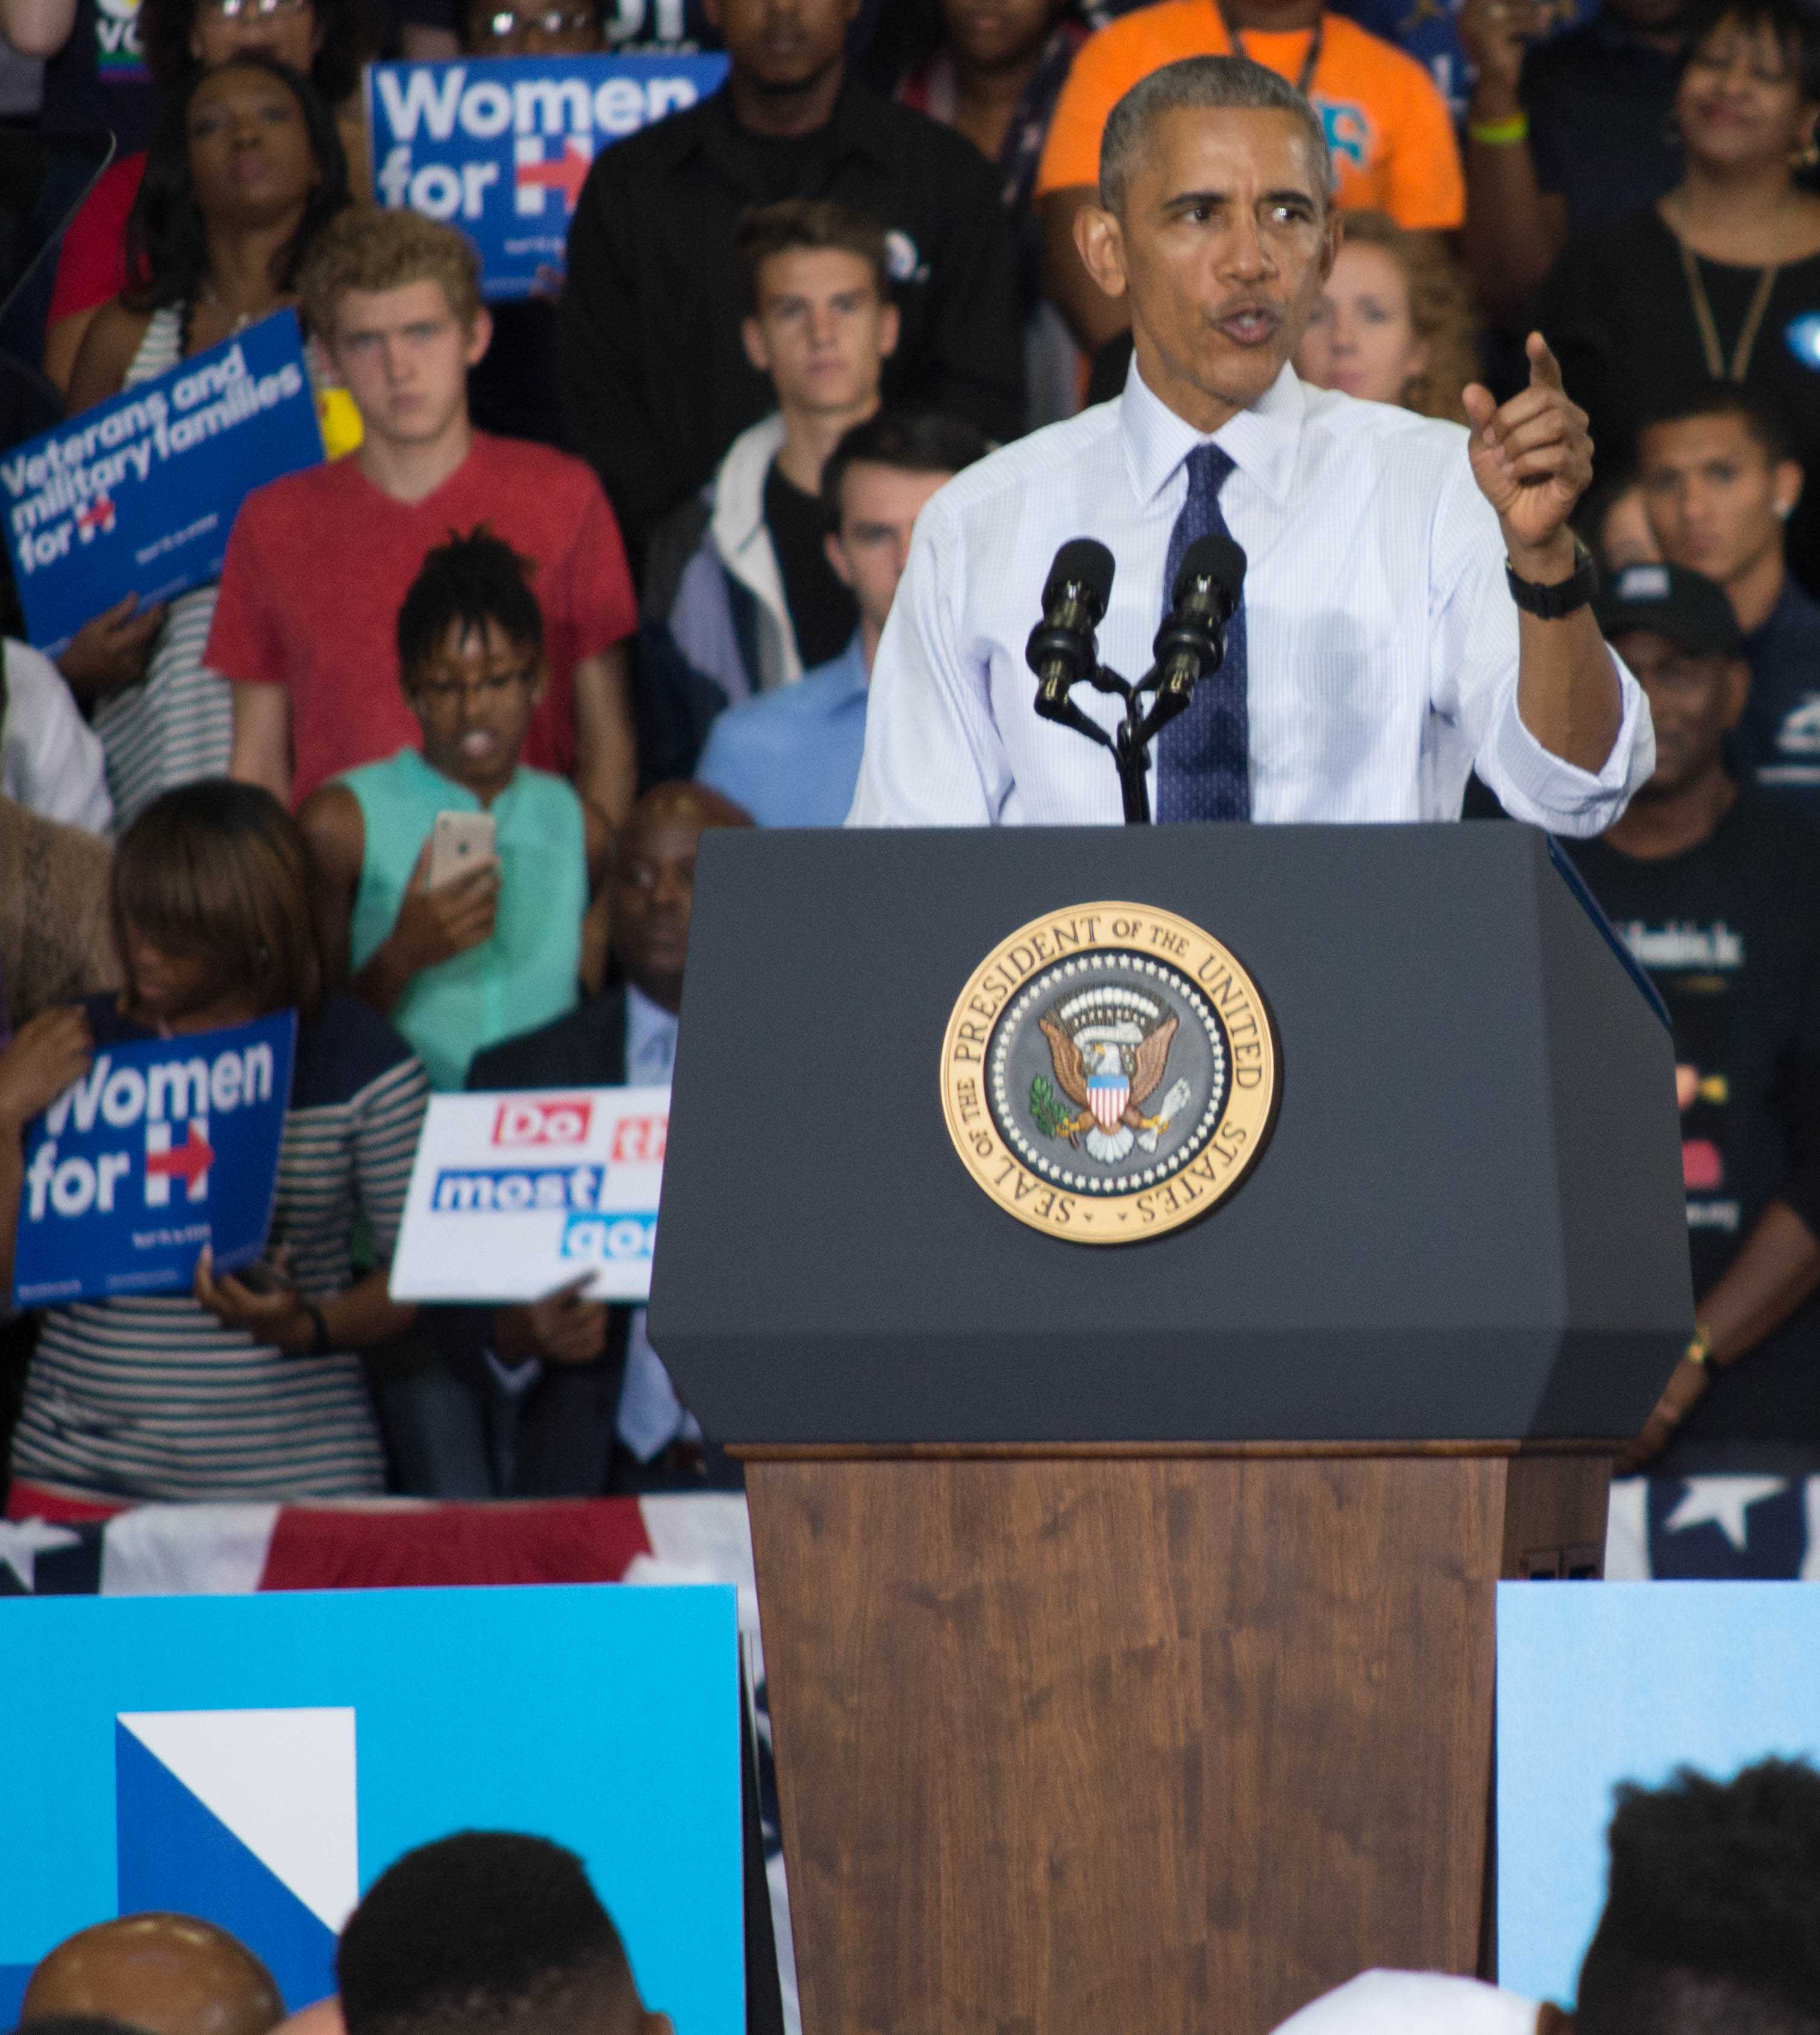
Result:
245,169
1394,323
326,39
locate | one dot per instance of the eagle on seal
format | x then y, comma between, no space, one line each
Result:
1108,1079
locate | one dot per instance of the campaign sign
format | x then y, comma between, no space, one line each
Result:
137,495
501,146
258,1761
163,1147
1599,1683
514,1195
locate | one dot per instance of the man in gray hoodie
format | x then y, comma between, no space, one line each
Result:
739,597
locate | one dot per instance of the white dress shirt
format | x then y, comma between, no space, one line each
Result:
650,1415
1390,2002
50,758
1381,637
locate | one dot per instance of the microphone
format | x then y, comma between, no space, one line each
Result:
1191,642
1062,650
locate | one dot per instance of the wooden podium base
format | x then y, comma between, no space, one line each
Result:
1139,1739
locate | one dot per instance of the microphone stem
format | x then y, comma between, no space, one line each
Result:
1132,753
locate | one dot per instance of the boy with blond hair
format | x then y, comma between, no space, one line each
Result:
318,563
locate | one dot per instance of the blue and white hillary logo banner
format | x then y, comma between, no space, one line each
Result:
258,1760
250,1817
163,1147
501,146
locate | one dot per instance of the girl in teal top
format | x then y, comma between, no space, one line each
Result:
497,951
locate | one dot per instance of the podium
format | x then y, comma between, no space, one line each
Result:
1128,1612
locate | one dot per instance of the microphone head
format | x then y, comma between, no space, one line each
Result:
1214,558
1085,563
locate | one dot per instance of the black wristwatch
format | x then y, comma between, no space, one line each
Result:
1551,602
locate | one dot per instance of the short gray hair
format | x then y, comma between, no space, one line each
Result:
1234,84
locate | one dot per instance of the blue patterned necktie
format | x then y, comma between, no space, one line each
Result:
1203,756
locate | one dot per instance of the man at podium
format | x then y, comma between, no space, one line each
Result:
1414,604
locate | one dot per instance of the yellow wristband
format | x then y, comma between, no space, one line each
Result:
1700,1350
1499,134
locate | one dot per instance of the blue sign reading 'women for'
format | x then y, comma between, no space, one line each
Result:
137,495
160,1148
501,146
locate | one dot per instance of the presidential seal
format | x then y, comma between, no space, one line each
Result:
1109,1073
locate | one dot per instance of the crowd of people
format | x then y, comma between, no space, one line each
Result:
611,565
1707,1926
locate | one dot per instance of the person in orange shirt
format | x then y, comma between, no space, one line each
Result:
1388,127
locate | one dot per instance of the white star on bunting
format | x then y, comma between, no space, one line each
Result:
1722,1502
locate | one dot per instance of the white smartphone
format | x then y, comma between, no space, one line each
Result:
460,843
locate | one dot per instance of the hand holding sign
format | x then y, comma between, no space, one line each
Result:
51,1052
111,653
561,1328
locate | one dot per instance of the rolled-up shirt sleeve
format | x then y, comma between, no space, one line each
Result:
933,756
1473,677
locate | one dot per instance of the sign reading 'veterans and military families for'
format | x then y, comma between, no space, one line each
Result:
501,146
137,495
163,1147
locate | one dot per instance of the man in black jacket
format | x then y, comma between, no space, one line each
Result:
1711,887
656,383
578,1403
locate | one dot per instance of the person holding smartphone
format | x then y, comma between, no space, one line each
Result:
453,883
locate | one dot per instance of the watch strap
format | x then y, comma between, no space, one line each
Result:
1551,603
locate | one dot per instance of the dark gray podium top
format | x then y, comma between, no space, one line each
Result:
1467,1224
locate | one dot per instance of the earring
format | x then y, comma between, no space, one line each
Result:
1805,158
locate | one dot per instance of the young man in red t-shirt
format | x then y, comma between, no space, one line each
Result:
318,563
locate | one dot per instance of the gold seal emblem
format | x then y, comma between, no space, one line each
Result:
1109,1073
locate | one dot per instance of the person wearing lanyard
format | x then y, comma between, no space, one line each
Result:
1389,130
1719,280
1415,602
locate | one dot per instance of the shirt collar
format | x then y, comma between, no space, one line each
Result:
852,664
646,1021
852,129
1261,441
1786,614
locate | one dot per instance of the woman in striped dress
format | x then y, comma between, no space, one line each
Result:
246,166
225,1392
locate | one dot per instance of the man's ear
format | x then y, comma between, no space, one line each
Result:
837,558
479,336
752,332
1331,235
890,325
1100,241
1787,482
